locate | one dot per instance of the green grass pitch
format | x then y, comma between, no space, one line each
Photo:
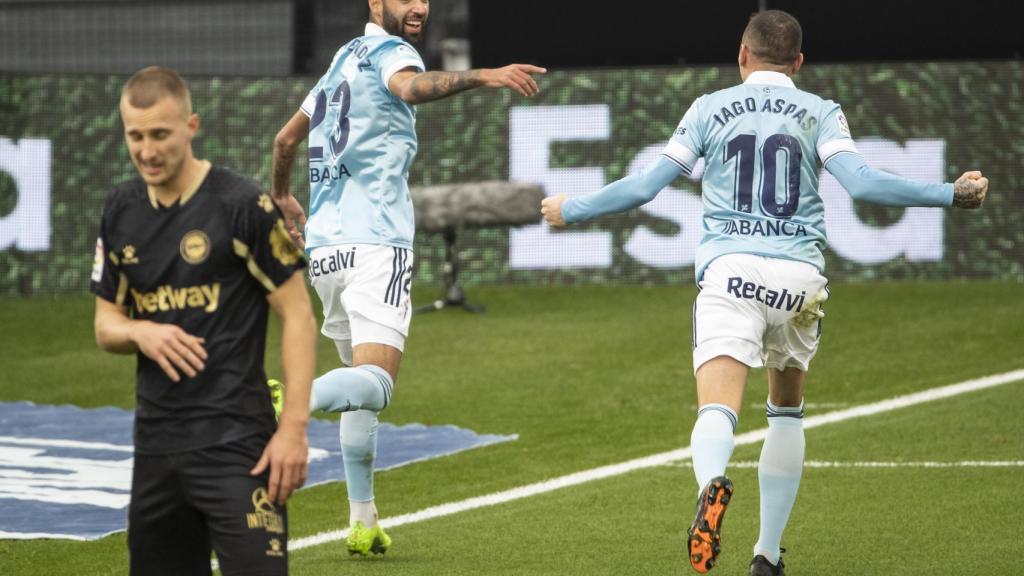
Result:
591,376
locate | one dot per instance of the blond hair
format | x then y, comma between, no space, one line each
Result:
149,85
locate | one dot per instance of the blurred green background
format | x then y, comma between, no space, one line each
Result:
976,108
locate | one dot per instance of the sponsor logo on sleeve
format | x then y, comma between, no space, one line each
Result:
844,128
97,261
281,245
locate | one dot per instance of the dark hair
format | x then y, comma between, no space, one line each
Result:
774,37
147,86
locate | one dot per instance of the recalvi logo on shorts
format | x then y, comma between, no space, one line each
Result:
167,297
334,263
778,300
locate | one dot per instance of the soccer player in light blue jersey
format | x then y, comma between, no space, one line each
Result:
360,120
759,264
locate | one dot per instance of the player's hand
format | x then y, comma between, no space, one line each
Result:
170,347
551,209
287,456
294,217
518,77
969,190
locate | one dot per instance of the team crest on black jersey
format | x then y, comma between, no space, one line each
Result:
195,247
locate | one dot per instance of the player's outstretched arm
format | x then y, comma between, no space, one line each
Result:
621,195
416,87
168,345
286,455
286,144
878,187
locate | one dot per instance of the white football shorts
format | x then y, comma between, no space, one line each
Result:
761,311
365,290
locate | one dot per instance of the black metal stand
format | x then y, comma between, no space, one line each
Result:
453,294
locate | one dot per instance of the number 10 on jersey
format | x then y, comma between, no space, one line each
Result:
743,148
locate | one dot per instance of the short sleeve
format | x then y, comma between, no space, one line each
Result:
309,104
398,56
106,280
261,239
834,136
685,146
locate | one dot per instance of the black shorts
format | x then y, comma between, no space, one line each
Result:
184,505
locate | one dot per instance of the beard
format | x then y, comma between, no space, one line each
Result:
392,25
169,170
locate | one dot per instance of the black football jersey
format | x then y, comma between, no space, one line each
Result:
206,264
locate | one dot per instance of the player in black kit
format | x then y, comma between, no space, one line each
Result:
190,257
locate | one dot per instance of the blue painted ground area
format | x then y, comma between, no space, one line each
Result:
65,472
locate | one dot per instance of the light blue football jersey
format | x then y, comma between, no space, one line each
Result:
763,142
362,141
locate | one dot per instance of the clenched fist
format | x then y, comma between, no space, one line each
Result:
969,190
551,209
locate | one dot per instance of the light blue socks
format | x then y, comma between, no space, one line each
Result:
358,451
712,442
360,392
365,387
778,473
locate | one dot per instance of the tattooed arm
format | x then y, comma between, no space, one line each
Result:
969,190
286,144
418,87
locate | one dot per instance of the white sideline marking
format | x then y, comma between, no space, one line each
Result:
807,405
42,535
663,458
54,443
926,464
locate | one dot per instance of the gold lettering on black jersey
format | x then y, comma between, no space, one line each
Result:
282,246
195,247
264,514
165,298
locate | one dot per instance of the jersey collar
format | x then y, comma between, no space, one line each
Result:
770,77
193,187
374,30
